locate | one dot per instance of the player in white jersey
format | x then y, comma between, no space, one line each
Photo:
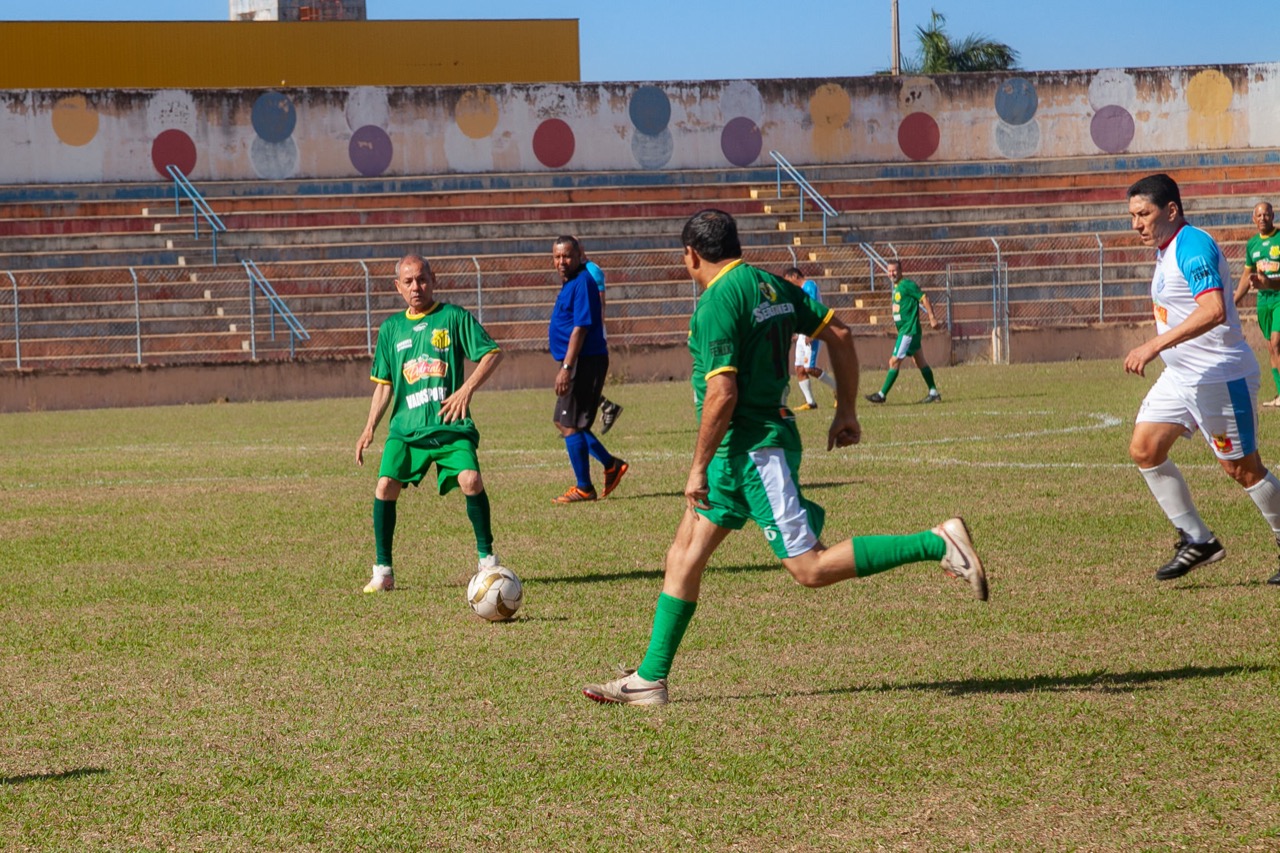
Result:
1210,379
806,360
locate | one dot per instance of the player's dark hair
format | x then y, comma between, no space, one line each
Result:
1160,189
792,271
712,234
566,240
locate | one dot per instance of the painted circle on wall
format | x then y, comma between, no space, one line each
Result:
370,150
741,141
650,110
173,148
273,117
74,121
476,113
918,136
553,143
274,160
1209,92
1112,129
652,151
830,106
1016,100
1016,141
1112,86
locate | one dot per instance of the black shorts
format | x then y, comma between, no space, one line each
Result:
577,409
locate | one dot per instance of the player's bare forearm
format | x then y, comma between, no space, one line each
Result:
377,407
718,405
1211,310
456,405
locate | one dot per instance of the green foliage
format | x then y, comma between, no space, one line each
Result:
940,54
186,661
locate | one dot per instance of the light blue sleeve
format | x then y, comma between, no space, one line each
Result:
1200,261
597,274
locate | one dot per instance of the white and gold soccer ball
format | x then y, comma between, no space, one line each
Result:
495,594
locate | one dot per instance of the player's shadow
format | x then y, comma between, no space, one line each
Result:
646,574
52,777
1097,681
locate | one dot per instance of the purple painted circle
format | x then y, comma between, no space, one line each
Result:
173,148
553,143
370,150
741,141
1112,129
918,136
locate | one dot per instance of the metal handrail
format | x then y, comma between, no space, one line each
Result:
258,282
17,325
200,207
877,260
821,203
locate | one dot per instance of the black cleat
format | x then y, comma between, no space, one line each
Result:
1274,580
1189,555
875,398
608,414
932,397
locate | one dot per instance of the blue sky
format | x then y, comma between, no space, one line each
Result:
799,38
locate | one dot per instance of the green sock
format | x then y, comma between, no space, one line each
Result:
1275,377
927,373
478,514
889,379
873,554
384,529
670,619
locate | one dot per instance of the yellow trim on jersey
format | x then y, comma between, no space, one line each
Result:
831,312
724,270
719,370
380,381
412,316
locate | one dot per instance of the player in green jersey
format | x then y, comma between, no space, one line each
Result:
746,458
418,369
1262,273
908,300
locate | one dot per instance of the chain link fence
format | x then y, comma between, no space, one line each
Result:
151,316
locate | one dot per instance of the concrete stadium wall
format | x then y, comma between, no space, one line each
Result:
96,135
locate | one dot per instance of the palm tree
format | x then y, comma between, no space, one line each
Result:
940,55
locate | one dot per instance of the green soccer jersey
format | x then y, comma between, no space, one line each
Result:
906,307
743,323
1262,254
422,357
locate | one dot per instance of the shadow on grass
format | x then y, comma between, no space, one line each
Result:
651,574
51,777
807,486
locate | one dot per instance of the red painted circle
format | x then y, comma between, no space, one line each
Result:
173,148
553,143
918,136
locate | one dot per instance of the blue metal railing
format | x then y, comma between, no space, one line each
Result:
805,187
258,282
200,207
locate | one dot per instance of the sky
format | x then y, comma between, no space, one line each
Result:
754,39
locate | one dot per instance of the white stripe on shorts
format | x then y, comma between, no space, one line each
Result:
784,499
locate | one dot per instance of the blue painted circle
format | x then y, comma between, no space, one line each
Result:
1016,101
650,110
274,117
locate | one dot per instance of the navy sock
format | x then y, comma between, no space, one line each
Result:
576,445
596,449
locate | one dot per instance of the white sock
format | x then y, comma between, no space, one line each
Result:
1171,492
807,391
828,379
1266,495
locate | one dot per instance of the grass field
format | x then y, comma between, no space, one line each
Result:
187,663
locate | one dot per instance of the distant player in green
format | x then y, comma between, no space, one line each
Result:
418,372
1262,273
908,300
746,458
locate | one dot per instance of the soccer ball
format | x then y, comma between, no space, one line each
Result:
495,594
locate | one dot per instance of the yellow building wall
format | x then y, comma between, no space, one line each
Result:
231,55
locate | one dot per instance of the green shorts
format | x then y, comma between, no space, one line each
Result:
906,345
409,463
1269,316
763,486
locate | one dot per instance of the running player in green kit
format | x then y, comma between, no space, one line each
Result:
908,299
746,458
1262,273
418,372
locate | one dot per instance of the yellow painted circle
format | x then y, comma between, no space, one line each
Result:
1209,93
476,113
830,106
74,121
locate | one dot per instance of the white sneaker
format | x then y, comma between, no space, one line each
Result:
630,689
961,560
489,562
383,580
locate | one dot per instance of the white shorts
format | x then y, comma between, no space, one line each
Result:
804,351
1222,411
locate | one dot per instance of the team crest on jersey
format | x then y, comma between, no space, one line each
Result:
422,367
897,296
1275,252
1222,443
768,292
440,338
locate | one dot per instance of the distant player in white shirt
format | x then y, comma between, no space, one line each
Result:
1210,379
807,350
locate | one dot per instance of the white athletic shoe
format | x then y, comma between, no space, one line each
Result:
961,560
489,562
383,580
630,689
